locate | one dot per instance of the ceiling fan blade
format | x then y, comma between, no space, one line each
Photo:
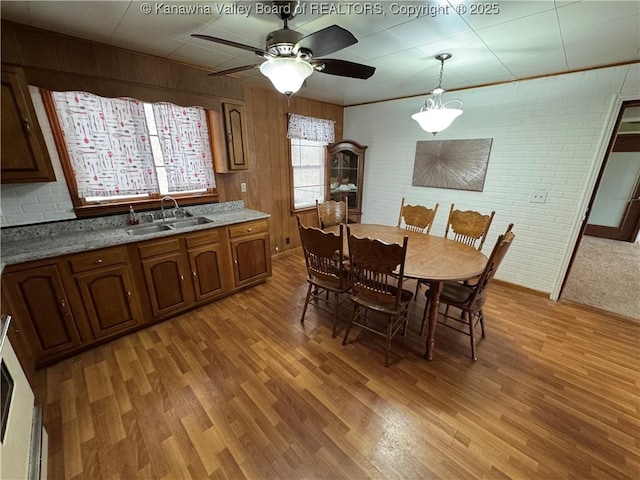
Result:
232,70
326,41
229,43
343,68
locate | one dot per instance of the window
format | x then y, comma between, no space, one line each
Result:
309,137
119,150
307,162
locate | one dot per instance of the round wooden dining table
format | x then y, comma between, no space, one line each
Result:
430,258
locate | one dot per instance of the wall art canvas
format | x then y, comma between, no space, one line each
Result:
454,164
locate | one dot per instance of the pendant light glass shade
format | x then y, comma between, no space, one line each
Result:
286,74
435,116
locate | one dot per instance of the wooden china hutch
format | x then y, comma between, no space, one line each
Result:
345,175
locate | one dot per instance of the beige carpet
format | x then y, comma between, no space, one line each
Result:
606,275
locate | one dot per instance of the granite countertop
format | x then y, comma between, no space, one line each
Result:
40,241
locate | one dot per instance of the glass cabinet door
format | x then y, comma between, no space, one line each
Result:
345,164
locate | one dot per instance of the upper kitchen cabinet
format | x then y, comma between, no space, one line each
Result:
229,138
345,174
24,156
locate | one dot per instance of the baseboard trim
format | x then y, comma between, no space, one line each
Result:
600,311
515,286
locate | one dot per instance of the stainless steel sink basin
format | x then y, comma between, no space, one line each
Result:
190,222
149,229
169,225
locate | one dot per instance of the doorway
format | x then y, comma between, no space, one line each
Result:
603,269
615,213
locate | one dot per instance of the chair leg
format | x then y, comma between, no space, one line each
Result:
353,317
481,314
335,317
389,332
306,303
473,340
415,295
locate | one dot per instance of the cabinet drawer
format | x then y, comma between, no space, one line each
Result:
248,228
158,248
202,238
97,259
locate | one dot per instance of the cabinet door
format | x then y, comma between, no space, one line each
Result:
165,278
251,258
37,297
235,129
25,157
108,299
206,272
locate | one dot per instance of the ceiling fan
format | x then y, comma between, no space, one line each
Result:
291,57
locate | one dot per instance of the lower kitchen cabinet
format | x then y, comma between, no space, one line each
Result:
104,280
207,259
251,252
165,278
38,299
66,304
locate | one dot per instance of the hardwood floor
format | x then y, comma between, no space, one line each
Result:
240,389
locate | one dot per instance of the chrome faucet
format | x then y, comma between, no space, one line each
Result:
175,202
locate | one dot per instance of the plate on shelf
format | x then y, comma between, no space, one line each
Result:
343,188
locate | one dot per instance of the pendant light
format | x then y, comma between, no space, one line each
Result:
434,116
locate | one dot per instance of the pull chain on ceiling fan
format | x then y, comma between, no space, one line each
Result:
291,56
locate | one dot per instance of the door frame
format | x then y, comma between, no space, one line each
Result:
580,223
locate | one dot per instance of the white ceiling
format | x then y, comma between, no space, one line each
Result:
519,39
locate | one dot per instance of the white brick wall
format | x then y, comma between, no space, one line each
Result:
546,133
37,202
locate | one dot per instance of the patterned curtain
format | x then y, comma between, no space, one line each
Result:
184,140
108,144
309,128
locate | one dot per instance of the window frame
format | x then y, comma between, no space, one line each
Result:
84,209
295,210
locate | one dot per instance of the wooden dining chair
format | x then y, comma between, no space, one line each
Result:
417,218
376,289
468,227
470,299
332,213
327,275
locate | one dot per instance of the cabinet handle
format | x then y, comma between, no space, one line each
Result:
236,262
249,229
128,295
181,278
194,274
229,137
98,261
27,125
63,306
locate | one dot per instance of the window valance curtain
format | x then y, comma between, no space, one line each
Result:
184,137
309,128
108,144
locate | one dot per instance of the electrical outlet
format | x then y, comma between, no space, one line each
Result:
243,187
538,196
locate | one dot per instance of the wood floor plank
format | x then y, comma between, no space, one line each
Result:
240,389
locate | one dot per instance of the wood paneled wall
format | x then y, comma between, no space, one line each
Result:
56,61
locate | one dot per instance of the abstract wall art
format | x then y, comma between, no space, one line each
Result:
454,164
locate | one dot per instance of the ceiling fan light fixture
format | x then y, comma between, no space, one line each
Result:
434,116
287,74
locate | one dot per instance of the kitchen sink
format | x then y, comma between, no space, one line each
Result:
190,222
169,225
149,229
